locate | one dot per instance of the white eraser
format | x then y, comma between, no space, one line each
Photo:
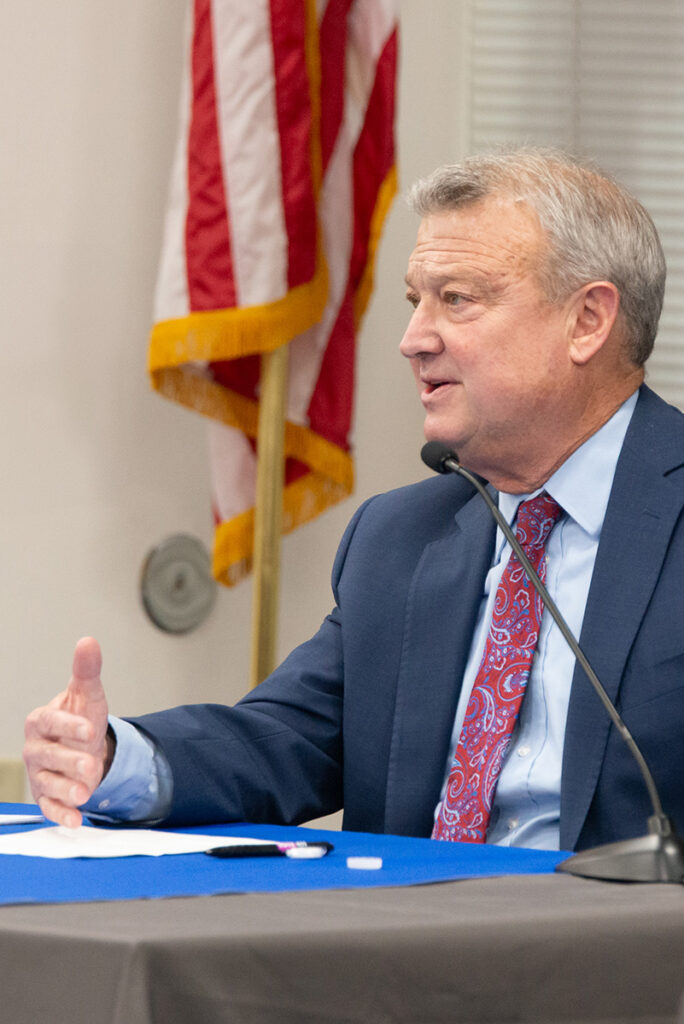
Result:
365,863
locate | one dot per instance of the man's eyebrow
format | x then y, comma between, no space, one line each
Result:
435,280
485,286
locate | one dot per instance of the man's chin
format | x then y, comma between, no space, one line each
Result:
445,437
459,447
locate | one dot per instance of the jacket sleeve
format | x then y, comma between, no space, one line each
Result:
277,755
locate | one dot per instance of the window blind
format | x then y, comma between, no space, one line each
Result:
605,78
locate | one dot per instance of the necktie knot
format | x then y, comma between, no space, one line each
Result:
536,518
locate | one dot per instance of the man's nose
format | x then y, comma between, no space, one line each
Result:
421,335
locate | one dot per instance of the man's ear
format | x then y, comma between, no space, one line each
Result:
594,310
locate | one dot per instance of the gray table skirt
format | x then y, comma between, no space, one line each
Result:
528,948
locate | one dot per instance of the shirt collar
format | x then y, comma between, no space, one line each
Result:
582,484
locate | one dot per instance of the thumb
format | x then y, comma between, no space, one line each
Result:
87,665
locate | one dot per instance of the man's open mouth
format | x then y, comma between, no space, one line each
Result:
431,386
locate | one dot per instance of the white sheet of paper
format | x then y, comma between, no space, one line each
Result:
20,819
88,841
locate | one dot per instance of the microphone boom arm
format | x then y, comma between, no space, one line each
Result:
566,631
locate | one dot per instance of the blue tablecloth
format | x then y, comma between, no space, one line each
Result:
406,861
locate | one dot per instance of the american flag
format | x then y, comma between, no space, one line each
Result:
283,174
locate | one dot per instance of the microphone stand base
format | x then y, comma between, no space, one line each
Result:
657,857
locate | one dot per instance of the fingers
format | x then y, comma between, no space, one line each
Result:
76,773
62,777
70,817
52,723
62,790
59,793
61,781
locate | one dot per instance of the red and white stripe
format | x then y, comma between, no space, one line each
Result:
268,168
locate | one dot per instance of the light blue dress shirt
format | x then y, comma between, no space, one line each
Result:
526,807
526,810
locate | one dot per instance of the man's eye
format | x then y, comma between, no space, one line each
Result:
413,299
453,298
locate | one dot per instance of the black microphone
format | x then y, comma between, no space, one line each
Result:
656,857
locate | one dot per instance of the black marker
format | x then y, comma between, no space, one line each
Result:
296,851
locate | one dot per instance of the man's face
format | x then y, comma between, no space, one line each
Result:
489,353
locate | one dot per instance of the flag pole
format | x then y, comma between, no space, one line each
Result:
268,512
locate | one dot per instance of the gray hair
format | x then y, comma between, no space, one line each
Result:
596,230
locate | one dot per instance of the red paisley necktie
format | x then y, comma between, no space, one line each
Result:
500,683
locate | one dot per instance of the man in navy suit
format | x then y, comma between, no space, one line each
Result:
536,285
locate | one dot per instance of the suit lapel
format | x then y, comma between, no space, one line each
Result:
643,509
442,607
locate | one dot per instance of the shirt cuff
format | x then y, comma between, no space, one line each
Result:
138,786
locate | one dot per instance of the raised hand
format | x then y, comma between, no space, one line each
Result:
67,750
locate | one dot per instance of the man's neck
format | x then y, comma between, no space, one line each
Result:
537,467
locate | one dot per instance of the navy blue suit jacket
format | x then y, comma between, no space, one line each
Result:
361,715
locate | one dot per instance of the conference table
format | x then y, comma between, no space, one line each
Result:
546,947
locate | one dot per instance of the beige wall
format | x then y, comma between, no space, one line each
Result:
96,469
